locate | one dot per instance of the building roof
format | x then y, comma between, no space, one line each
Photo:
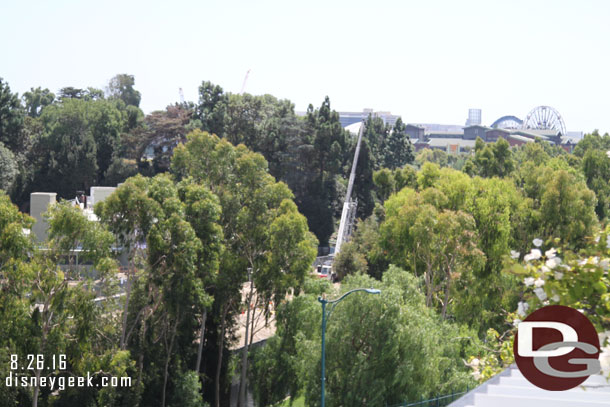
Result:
477,125
435,127
354,128
444,142
499,129
521,138
444,134
510,388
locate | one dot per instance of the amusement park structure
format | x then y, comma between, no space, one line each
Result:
544,118
539,118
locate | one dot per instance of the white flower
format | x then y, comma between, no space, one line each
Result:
515,255
545,269
608,153
558,275
535,254
539,282
537,242
516,322
551,263
540,293
565,266
550,253
528,281
555,298
582,262
522,308
595,260
605,264
597,239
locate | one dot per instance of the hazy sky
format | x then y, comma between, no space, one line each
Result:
428,61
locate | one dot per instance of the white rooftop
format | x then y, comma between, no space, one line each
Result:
511,389
354,128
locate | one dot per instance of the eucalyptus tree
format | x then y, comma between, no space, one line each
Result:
170,233
267,242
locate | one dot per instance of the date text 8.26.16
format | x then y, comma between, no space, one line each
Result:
38,362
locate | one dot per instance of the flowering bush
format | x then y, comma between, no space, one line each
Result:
555,277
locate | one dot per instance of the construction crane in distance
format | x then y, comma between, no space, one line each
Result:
243,85
348,215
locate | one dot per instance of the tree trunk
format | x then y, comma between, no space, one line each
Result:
444,313
221,341
167,360
125,308
244,353
36,390
253,319
201,338
428,279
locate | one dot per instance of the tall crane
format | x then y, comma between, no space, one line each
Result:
243,85
348,214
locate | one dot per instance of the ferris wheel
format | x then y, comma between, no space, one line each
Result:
544,118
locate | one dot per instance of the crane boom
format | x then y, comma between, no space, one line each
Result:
349,206
243,85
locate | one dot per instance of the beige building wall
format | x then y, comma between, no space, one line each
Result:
39,202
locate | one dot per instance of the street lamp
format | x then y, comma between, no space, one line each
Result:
333,304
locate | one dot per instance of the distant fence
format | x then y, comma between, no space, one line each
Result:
440,401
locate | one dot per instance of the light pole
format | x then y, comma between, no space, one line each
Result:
333,304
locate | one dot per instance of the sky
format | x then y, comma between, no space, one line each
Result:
428,61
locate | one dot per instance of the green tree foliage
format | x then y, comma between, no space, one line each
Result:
435,156
78,141
385,183
441,246
501,219
398,149
121,87
119,170
48,298
396,350
8,168
263,231
323,151
388,182
37,99
349,261
363,183
551,276
162,130
212,108
565,205
596,169
164,310
491,159
377,133
309,154
90,93
69,151
15,247
593,141
188,391
11,117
